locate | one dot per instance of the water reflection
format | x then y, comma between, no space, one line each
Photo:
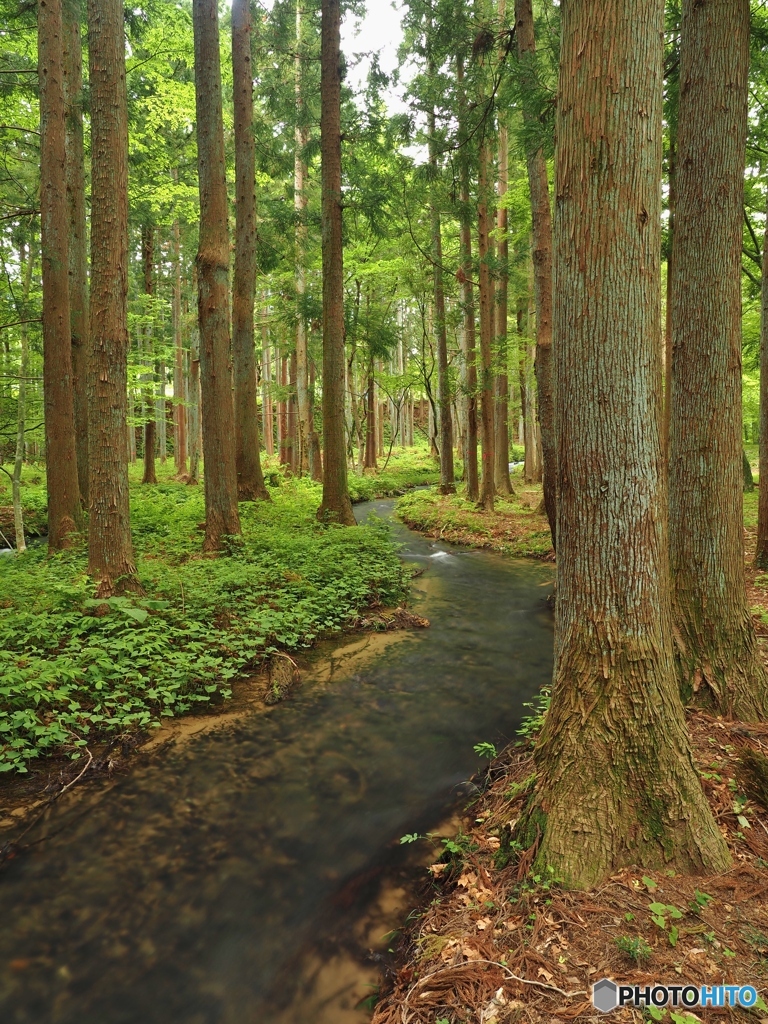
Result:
234,878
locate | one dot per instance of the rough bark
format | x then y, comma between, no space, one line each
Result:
501,419
180,412
250,479
616,783
78,236
716,648
194,410
487,318
301,201
761,552
336,505
218,420
110,550
542,272
64,513
467,299
25,264
447,484
150,422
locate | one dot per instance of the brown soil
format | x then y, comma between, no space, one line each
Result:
494,945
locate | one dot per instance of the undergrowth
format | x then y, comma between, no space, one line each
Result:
73,670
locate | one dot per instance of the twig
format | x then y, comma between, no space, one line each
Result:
491,963
82,773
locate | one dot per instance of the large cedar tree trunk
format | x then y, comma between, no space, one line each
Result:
250,479
110,551
542,268
715,641
336,505
218,414
467,296
64,512
761,552
487,320
78,237
616,784
301,202
501,424
447,484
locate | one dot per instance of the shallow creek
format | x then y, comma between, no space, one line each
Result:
241,874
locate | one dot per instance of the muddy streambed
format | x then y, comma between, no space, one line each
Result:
242,875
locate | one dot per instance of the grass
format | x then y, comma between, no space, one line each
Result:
74,671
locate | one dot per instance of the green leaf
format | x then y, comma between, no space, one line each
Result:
139,614
674,933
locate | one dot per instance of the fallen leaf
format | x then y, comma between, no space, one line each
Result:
545,974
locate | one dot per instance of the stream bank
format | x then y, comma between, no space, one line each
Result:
230,877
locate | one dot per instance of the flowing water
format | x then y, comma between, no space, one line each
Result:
239,874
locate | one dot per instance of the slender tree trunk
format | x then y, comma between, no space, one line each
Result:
194,410
78,237
282,411
300,204
447,483
501,445
315,455
180,412
370,424
717,653
250,479
293,420
614,759
468,299
221,515
64,513
488,487
266,395
150,423
761,553
336,505
542,270
25,264
110,550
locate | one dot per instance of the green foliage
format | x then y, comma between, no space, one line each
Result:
532,724
412,467
636,948
485,750
73,669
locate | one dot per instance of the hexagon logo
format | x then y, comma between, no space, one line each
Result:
605,995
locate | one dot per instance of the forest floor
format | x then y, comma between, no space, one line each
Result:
81,681
494,944
517,526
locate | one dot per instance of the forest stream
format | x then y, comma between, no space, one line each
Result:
243,874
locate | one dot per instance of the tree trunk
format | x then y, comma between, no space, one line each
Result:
293,420
110,550
488,487
150,423
301,202
717,653
221,515
250,479
616,784
194,411
501,425
370,424
542,271
447,483
25,265
467,298
336,505
761,553
78,236
180,412
64,512
266,393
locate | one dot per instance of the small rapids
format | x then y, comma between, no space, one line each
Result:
243,873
